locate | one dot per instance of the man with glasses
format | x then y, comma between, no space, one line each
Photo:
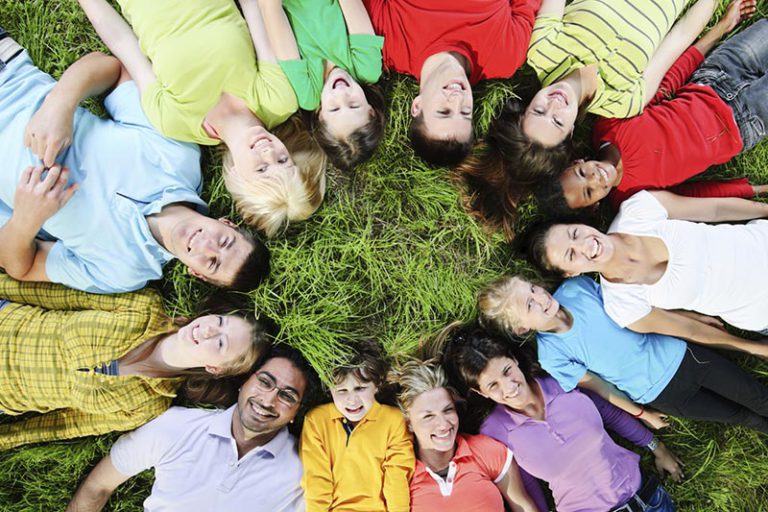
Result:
241,458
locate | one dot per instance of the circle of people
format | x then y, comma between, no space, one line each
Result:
91,358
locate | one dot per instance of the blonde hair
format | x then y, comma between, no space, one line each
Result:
497,310
271,202
414,377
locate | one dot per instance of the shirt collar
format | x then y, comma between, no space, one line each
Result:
221,426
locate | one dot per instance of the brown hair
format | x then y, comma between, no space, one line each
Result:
505,167
269,203
366,363
444,152
359,145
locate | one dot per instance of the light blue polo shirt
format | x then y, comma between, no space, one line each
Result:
640,365
125,170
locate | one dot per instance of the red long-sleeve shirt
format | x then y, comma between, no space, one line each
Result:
685,129
493,35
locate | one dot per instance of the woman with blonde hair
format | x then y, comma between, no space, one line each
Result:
210,76
454,472
92,364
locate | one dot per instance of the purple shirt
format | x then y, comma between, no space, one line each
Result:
571,450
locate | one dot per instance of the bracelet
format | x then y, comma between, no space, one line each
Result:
652,444
642,410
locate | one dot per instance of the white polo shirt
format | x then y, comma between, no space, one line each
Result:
197,469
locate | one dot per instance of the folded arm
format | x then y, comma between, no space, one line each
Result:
279,33
614,396
356,17
117,35
50,130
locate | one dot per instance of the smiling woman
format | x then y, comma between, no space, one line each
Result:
93,364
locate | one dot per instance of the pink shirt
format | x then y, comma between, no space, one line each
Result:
570,449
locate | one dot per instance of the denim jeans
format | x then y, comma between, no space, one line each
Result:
660,502
736,70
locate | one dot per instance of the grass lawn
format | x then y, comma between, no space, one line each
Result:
392,255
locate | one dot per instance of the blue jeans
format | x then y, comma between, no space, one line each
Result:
660,502
736,70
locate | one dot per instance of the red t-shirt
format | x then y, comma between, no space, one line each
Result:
470,485
493,35
685,129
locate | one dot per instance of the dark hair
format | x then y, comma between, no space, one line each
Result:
366,363
551,198
359,145
445,152
311,394
506,166
255,268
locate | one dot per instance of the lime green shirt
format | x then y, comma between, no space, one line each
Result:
321,34
200,49
620,36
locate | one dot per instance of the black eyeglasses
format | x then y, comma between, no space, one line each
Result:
267,383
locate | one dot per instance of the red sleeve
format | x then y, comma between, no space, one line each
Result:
606,130
523,14
716,188
678,74
490,454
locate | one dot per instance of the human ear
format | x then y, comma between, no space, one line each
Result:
227,222
213,370
519,331
416,106
195,273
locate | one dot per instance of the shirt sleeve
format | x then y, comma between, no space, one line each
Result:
398,466
145,447
366,56
567,371
523,18
544,36
625,303
620,422
715,188
65,267
317,481
678,74
297,71
492,455
70,423
618,103
123,104
276,98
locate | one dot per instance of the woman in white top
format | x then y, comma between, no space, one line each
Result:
659,263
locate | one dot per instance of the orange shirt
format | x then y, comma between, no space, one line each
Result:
470,486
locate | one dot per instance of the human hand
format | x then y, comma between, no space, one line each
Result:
38,198
668,462
49,131
738,11
654,419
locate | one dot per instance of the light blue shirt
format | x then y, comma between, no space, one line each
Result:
197,467
125,171
640,365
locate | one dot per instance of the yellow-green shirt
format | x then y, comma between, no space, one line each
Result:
53,337
368,471
620,36
200,49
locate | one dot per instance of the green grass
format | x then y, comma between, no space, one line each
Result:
390,255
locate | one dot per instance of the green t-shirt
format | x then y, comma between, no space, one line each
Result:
620,36
321,34
200,49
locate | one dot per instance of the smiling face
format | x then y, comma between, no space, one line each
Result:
257,153
445,101
213,250
534,308
578,248
269,399
343,105
551,115
212,341
586,183
353,398
434,420
504,383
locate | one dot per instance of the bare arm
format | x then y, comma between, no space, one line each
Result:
679,38
96,489
117,35
265,51
710,209
36,200
737,11
687,327
613,395
552,8
50,130
514,493
278,29
358,21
